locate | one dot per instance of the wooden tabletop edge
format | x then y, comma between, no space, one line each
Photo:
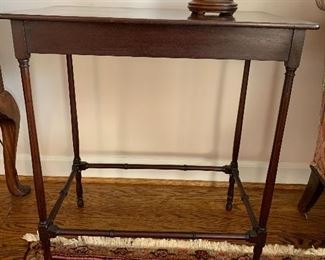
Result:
190,21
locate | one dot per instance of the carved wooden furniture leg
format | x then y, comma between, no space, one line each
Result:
316,182
75,131
9,123
36,161
312,192
274,162
291,66
238,133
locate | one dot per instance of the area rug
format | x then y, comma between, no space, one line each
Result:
99,248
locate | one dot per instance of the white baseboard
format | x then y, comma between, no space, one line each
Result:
250,171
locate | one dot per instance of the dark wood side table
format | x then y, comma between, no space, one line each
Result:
9,123
156,33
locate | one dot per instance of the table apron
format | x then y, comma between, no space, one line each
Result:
151,40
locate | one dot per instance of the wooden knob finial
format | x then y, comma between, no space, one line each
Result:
223,7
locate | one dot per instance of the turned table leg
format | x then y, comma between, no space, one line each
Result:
75,130
274,162
238,133
36,159
9,123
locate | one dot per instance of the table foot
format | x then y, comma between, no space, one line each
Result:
229,206
230,195
17,189
80,201
258,249
45,239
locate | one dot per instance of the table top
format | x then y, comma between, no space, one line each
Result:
154,16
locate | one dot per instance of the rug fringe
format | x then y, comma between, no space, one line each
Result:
199,244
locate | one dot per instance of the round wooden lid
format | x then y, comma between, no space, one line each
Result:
223,7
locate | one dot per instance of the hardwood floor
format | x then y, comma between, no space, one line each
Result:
152,205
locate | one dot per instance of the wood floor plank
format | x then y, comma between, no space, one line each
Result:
161,205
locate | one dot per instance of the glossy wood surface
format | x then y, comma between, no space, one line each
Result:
156,41
154,16
9,124
159,204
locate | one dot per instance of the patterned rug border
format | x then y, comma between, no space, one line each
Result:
199,244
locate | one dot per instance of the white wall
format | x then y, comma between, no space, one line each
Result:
181,111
